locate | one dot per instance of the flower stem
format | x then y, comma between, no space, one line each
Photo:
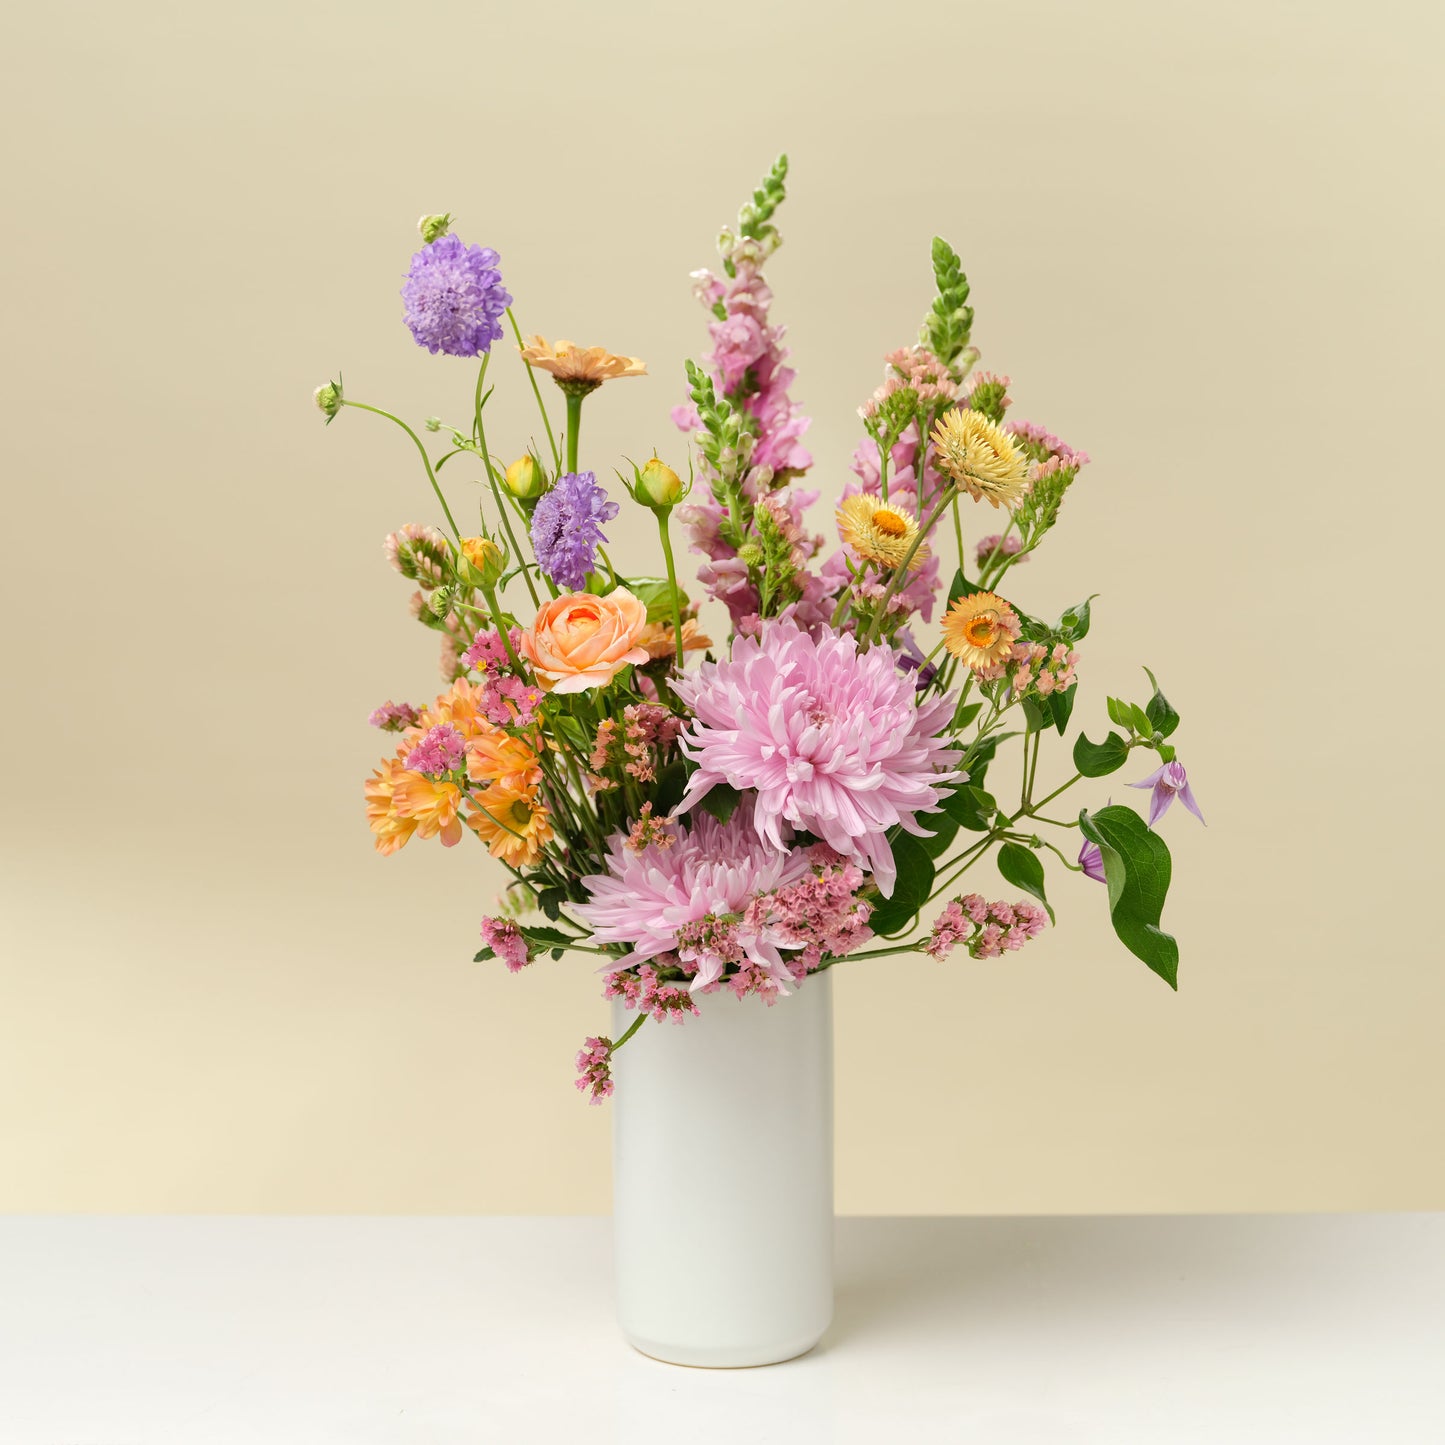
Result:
503,631
537,392
662,516
479,430
632,1028
426,460
574,425
901,571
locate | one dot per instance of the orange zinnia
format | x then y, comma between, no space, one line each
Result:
579,367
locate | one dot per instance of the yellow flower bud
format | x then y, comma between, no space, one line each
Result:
484,561
525,479
659,485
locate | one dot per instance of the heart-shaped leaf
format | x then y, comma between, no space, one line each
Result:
1137,868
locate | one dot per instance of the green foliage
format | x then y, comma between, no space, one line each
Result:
976,761
656,594
1074,624
1098,760
720,800
960,587
1061,705
1137,869
892,916
550,901
949,323
965,714
1023,868
970,807
1160,712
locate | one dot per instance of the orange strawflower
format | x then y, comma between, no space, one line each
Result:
579,368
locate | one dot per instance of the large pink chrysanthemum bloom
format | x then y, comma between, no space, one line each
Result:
833,739
646,899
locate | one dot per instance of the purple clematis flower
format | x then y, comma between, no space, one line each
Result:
1168,782
1091,859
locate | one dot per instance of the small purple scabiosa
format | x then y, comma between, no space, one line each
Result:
1168,782
455,298
567,528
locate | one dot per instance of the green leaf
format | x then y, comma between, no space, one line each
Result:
960,587
1074,624
1022,867
1061,705
656,594
719,801
945,829
1037,714
1140,719
484,955
966,713
1137,867
970,807
542,938
550,901
1098,760
671,783
1119,713
895,915
1160,711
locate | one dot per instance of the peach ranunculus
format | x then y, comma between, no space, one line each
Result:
580,641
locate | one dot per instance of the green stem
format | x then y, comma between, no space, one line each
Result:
503,631
632,1028
537,392
574,425
480,431
662,516
426,460
883,460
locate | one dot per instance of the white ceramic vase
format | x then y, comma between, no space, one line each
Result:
723,1179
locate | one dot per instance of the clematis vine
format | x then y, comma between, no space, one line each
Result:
1168,782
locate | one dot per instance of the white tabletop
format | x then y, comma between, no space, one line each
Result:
256,1331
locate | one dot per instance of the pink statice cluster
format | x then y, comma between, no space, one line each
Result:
395,717
916,371
648,832
640,988
994,548
1032,666
985,929
440,750
747,362
506,699
594,1068
637,747
1049,454
821,915
505,939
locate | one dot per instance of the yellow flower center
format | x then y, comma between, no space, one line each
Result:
521,813
889,523
981,630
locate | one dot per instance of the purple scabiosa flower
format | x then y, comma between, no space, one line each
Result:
1168,782
1091,860
454,297
567,526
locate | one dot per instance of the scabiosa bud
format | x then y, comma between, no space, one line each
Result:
440,601
434,227
433,423
658,486
329,399
525,479
485,559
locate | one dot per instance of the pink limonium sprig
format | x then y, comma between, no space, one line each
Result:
985,929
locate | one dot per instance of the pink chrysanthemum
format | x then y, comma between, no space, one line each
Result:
833,739
678,899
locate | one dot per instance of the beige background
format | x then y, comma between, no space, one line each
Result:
1205,243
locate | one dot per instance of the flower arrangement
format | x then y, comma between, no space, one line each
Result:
741,816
